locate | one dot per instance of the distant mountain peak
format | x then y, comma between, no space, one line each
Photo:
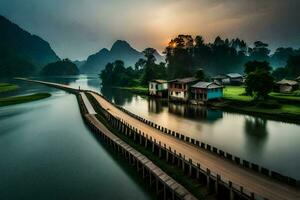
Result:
120,50
120,44
103,50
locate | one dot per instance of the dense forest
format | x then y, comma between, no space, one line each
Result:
63,67
185,54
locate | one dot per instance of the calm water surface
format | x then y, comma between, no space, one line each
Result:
273,144
48,153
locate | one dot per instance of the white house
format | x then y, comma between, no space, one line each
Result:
158,88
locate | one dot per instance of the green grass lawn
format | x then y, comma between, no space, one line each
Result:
138,89
4,87
22,99
236,93
280,105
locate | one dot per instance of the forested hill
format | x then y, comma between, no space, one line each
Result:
22,53
63,67
120,50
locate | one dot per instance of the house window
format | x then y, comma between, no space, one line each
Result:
151,85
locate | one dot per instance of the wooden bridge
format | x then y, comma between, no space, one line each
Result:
239,180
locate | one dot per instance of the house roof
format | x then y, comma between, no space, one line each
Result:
287,82
209,85
234,75
220,76
159,81
184,80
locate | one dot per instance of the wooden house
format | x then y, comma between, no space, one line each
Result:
286,85
158,88
202,92
229,79
178,89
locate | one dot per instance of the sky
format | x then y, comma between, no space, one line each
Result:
77,28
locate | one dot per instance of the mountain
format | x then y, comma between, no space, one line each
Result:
62,67
120,50
79,63
21,52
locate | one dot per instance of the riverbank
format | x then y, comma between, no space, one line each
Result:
23,99
5,87
281,107
136,90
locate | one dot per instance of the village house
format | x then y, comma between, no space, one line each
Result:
286,85
202,92
158,88
178,89
229,79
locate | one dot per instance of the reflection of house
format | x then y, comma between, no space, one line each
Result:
204,91
287,85
178,89
229,79
158,88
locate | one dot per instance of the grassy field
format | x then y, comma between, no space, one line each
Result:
22,99
238,93
138,90
5,87
278,106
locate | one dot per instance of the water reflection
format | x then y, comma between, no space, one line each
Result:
118,96
256,133
156,105
195,112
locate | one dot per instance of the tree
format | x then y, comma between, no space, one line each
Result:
200,74
179,56
281,56
252,66
151,69
115,74
293,66
140,64
280,73
259,82
149,54
260,51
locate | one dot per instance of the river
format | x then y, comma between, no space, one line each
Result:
269,143
47,152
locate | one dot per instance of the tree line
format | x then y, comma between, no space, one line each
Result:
185,55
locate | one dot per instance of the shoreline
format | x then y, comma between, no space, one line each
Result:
241,107
23,99
255,112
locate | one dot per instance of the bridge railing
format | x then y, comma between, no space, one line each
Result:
162,150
